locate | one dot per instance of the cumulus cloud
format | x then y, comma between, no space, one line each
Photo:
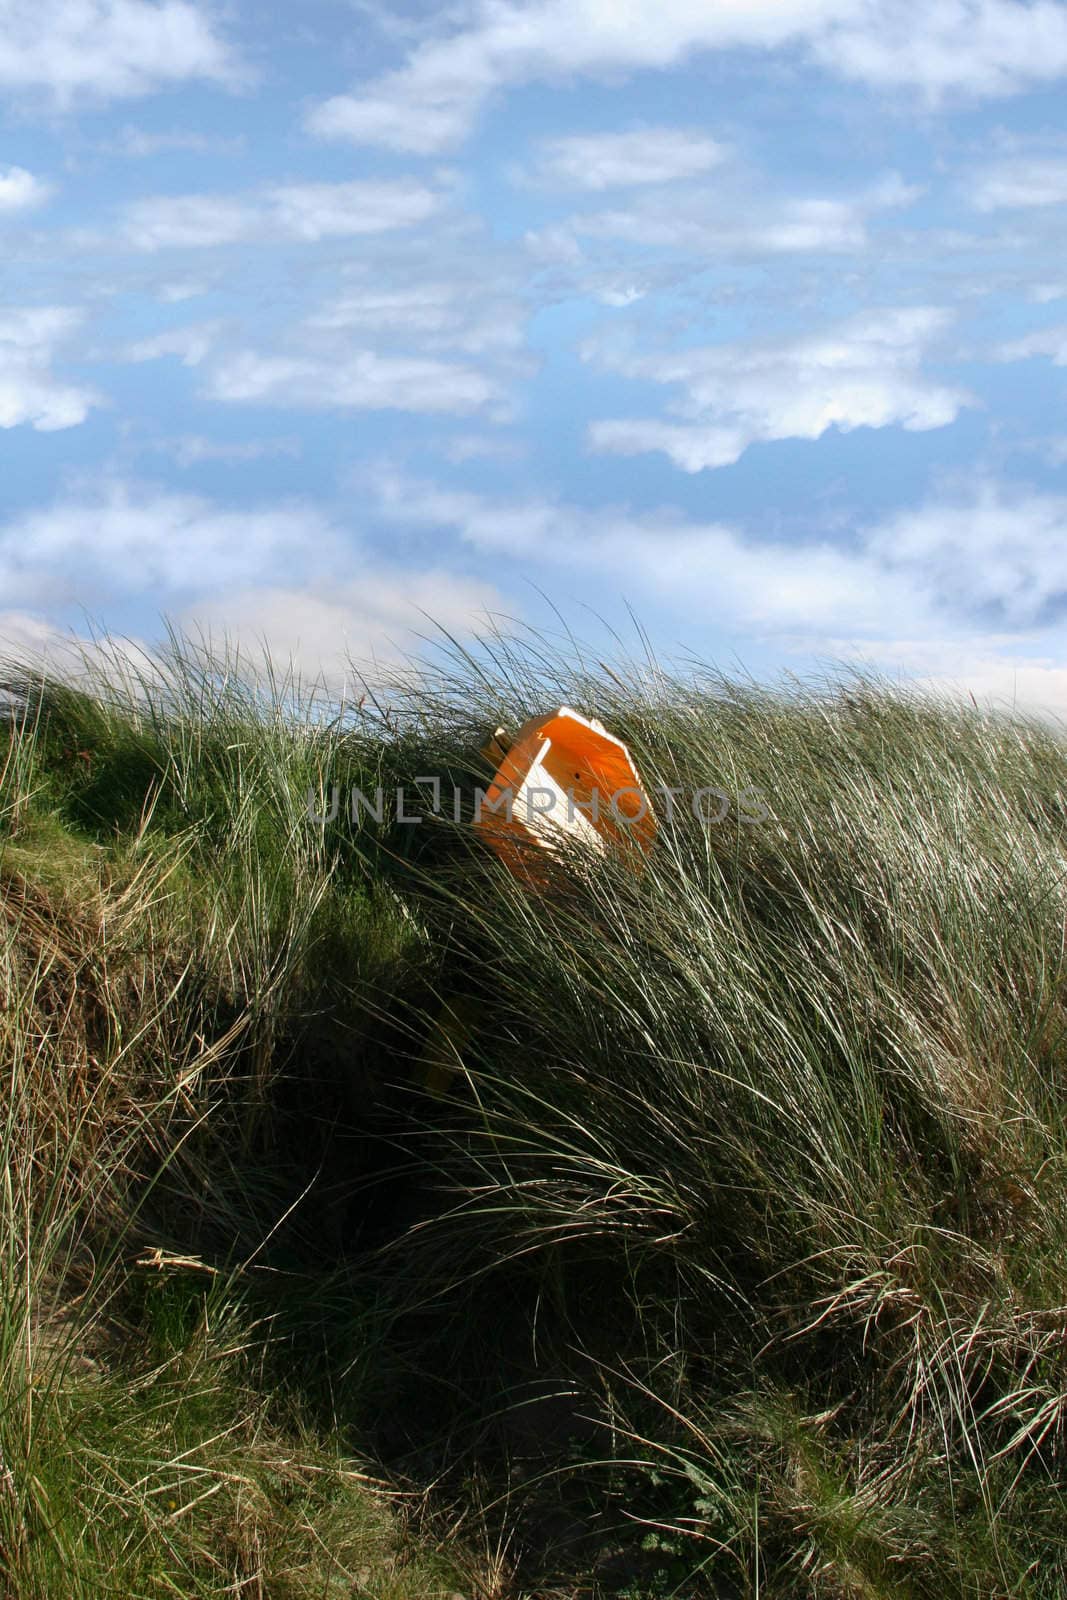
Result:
1000,680
625,159
865,372
998,672
20,190
29,637
973,49
1051,342
178,290
108,49
394,116
285,576
121,538
965,588
344,635
441,312
376,617
968,584
989,552
1019,184
436,97
29,390
142,143
429,321
361,380
188,222
191,345
340,210
747,583
733,219
23,634
935,47
796,225
302,211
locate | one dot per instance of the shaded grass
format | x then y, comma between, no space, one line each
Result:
171,940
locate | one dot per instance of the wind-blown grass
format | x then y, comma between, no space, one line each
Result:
732,1259
171,931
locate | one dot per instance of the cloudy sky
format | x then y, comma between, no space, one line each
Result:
745,316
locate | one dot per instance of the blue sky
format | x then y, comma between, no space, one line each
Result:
748,317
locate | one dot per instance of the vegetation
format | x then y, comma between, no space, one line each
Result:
374,1224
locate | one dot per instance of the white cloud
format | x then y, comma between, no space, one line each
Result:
286,575
967,48
29,638
983,557
191,345
307,211
731,219
108,49
396,117
344,634
865,372
175,292
997,672
966,589
342,210
431,321
618,295
24,635
20,190
1051,342
701,568
122,538
441,312
140,143
29,391
360,380
937,47
1001,681
988,552
377,616
435,99
624,159
188,222
1019,184
720,227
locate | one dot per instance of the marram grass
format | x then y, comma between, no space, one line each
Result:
728,1257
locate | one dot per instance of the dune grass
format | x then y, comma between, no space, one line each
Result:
723,1250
